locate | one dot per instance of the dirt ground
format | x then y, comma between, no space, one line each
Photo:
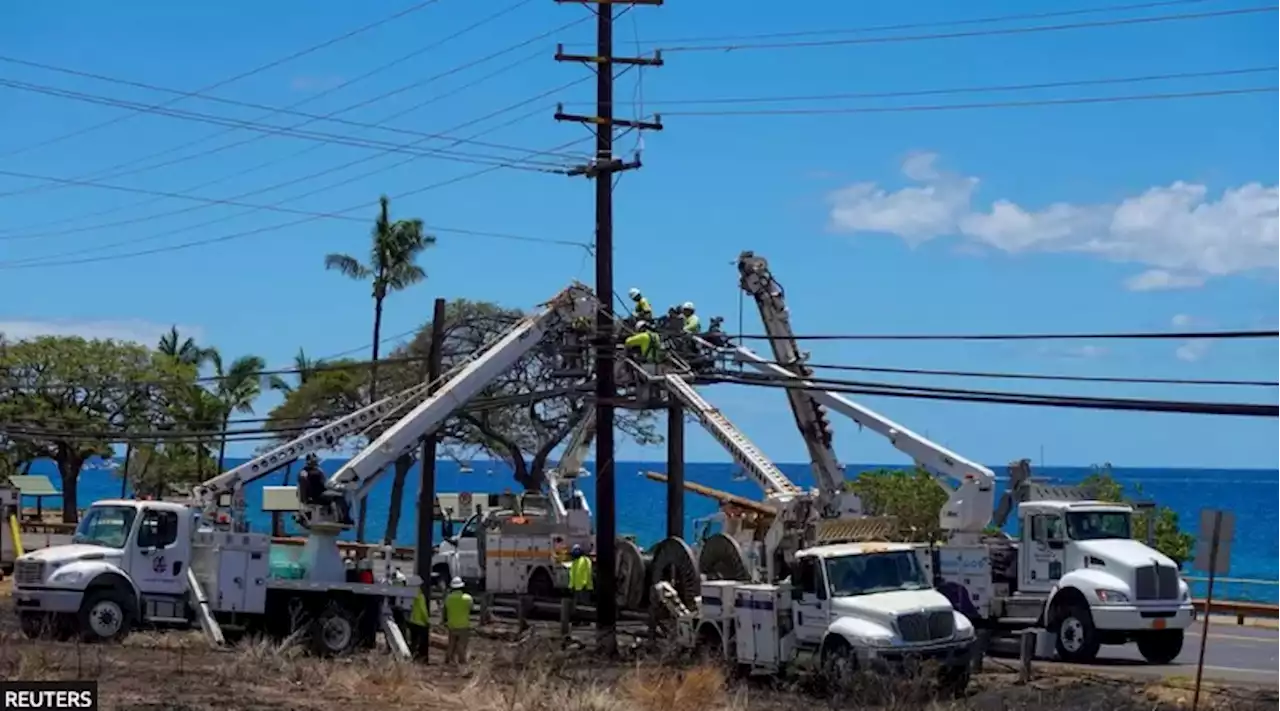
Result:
511,670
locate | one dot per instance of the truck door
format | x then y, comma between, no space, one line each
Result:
160,552
469,549
1041,552
810,603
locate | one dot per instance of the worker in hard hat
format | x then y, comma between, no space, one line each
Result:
457,620
419,625
314,489
643,310
645,343
691,322
581,581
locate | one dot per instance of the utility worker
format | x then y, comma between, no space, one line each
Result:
419,625
691,322
644,311
645,342
580,578
457,620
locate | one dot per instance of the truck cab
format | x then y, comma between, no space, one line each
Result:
126,563
1100,585
872,605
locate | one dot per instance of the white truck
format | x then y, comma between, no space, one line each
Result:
1075,574
149,562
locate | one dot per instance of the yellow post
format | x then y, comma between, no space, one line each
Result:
17,535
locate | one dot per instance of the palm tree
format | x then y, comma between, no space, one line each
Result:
238,387
392,267
304,367
183,350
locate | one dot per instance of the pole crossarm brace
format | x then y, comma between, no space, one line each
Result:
599,121
654,61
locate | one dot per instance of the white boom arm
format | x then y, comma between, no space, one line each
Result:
969,506
746,454
811,418
206,494
359,474
570,466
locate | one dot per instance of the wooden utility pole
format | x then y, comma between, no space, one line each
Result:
602,169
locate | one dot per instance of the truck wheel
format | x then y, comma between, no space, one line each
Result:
1160,647
106,615
541,587
955,680
335,632
1077,639
838,663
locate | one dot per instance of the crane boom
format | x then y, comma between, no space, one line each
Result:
359,474
969,507
570,467
810,416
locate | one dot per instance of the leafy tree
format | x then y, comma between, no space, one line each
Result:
392,266
238,386
68,393
160,470
912,495
1169,537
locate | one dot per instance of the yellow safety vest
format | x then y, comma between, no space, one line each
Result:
580,574
457,610
691,324
643,309
648,343
418,616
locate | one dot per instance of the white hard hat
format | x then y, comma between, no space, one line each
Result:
457,583
688,306
634,293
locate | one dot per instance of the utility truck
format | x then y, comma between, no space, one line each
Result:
152,562
1074,573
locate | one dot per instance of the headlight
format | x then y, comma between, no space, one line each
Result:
1111,596
877,641
66,577
965,632
1186,595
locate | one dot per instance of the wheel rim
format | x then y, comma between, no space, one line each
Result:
1072,634
105,618
838,664
336,634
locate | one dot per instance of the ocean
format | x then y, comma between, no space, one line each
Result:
1251,493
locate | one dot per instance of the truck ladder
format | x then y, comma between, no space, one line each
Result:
731,438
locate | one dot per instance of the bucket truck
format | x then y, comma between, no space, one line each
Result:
814,588
134,562
1076,573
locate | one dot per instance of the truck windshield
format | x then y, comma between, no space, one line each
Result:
1094,525
105,526
875,573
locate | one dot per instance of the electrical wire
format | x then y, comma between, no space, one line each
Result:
1168,406
116,171
984,105
1133,335
1119,22
346,181
981,89
240,174
51,260
1037,376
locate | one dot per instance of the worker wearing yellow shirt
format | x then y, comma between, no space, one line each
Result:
691,322
580,579
645,342
457,619
419,626
644,311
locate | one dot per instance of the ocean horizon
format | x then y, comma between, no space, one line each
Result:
1251,493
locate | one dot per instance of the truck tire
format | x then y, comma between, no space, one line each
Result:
1077,639
1160,647
335,632
838,662
106,615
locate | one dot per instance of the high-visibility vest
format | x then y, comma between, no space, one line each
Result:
418,616
457,610
580,574
649,344
643,309
691,324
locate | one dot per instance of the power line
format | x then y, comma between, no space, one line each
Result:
243,75
116,171
1036,376
984,105
1204,408
972,33
268,228
924,25
240,174
982,89
1149,335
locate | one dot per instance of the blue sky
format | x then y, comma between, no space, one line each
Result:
1102,217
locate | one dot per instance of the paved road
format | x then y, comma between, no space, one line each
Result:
1234,654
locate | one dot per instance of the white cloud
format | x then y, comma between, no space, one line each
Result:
1196,348
135,330
1178,231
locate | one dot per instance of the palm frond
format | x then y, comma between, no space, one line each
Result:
348,266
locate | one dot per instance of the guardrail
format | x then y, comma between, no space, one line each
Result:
1237,597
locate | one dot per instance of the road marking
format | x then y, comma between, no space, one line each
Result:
1238,670
1239,637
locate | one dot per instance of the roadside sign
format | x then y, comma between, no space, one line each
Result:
1217,529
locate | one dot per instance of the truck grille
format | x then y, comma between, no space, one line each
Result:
28,572
926,627
1155,582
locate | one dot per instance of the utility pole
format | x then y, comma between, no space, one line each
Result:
602,169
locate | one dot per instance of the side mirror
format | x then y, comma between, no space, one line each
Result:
1057,545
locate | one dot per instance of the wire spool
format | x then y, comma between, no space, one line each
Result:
721,558
630,574
675,563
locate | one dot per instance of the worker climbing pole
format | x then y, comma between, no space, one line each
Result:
601,169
